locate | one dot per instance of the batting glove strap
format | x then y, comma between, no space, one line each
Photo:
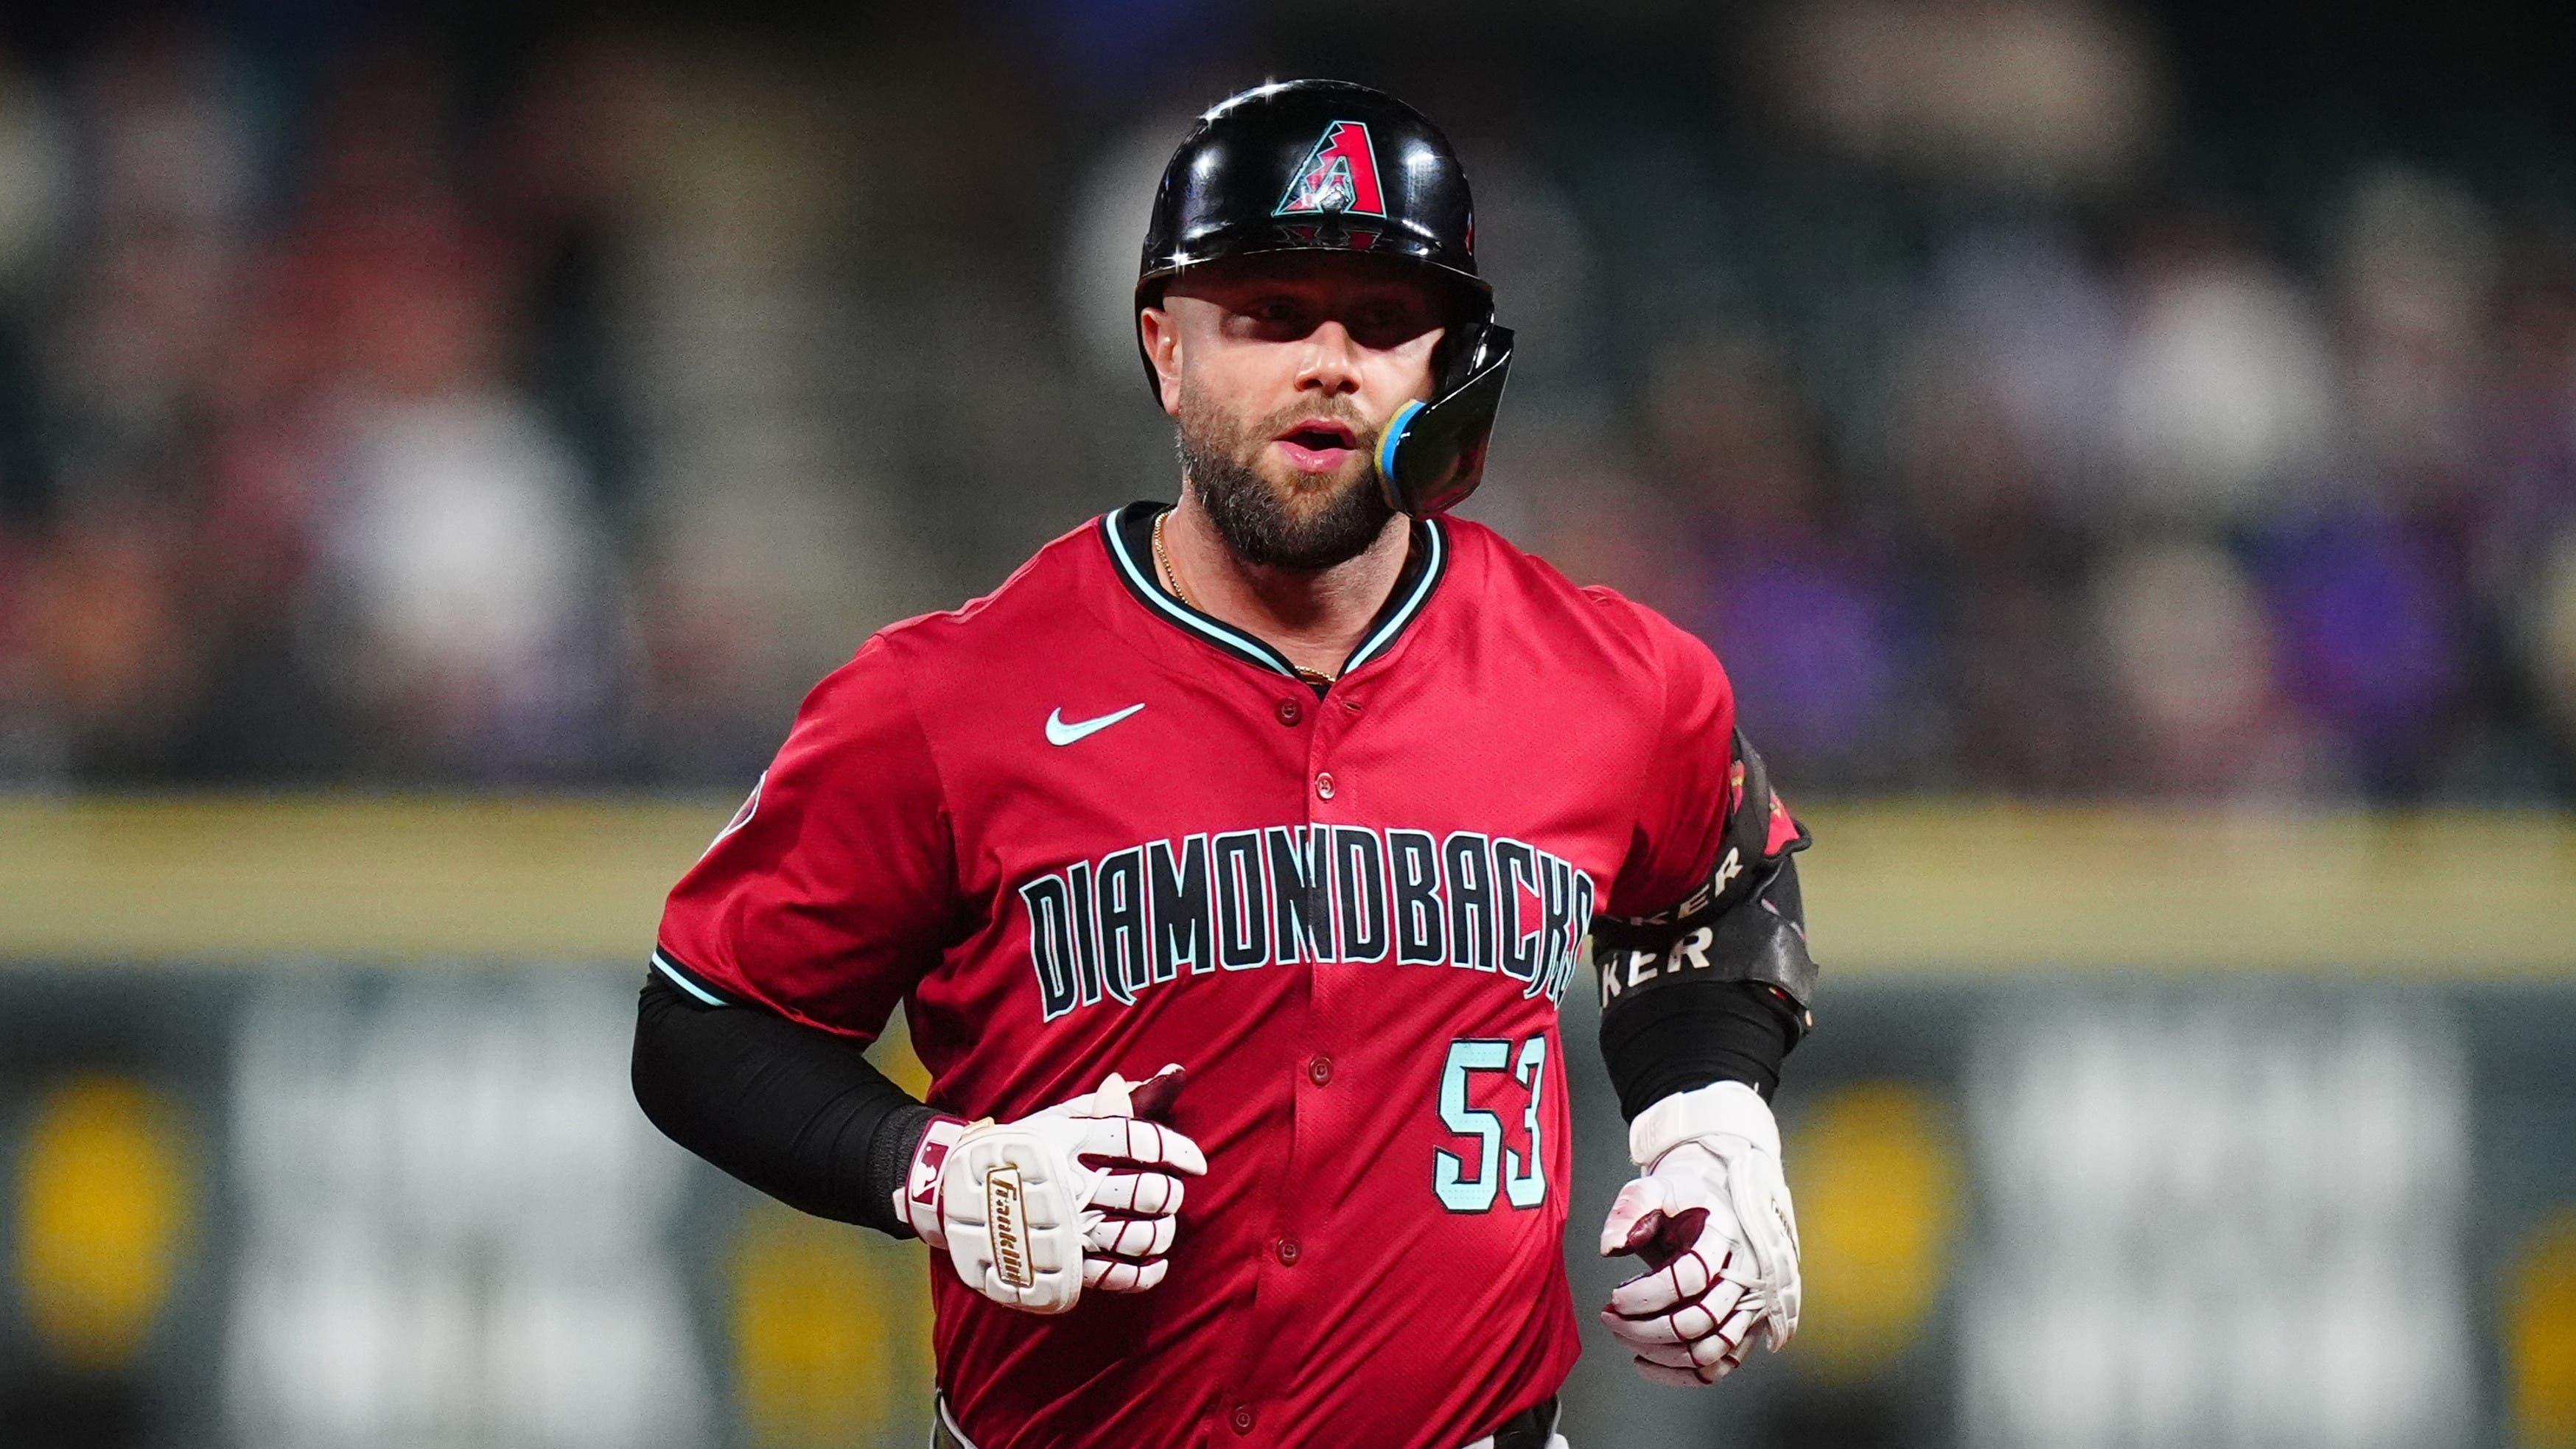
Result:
917,1201
1726,1109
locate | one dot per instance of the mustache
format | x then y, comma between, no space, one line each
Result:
1364,433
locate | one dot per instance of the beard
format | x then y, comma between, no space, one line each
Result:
1309,524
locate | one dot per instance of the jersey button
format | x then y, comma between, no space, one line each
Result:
1324,785
1288,1251
1320,1070
1290,711
1243,1418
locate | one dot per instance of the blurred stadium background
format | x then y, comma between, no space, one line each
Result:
2125,453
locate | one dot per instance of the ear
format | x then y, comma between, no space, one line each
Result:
1437,363
1162,343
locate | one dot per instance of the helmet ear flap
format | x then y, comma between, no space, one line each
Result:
1432,455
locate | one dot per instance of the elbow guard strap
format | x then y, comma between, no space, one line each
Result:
1760,941
1746,923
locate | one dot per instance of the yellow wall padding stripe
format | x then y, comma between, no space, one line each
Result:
1946,887
358,878
1936,887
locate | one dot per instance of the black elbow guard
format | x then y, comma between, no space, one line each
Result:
1746,924
1717,988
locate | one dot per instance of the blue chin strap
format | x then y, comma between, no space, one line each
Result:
1432,454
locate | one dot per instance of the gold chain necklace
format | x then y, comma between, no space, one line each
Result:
1163,564
1171,579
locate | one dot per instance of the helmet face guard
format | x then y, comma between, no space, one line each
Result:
1328,166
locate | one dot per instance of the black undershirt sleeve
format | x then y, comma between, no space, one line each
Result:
1698,1033
796,1112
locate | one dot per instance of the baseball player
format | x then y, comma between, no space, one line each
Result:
1229,862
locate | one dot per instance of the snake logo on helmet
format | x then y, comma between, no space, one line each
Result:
1340,174
1296,166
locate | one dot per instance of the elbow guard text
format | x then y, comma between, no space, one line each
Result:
1746,923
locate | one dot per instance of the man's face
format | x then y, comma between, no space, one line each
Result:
1283,370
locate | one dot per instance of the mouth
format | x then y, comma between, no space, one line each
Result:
1318,445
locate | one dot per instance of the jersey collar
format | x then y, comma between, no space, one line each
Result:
1128,534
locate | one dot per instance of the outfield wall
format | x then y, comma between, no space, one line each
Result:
2135,1128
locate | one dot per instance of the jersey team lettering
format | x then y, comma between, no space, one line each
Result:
1244,899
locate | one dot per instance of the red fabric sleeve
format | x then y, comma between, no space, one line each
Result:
830,893
1690,792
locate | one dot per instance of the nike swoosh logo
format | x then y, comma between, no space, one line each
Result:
1060,733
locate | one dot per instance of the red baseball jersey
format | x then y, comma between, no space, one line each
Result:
1078,827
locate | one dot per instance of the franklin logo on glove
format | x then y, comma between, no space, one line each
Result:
1002,1209
1086,1194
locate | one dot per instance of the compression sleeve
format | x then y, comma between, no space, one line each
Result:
796,1111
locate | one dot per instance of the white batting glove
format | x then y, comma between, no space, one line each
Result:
1711,1215
1085,1194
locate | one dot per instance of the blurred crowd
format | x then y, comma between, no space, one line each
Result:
404,410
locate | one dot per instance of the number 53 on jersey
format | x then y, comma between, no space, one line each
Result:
1502,1159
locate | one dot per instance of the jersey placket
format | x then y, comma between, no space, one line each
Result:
1252,1405
1254,1413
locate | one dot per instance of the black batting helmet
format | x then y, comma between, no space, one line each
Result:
1325,165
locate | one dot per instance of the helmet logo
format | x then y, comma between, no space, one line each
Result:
1339,175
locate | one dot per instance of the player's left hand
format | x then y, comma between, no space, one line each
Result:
1711,1216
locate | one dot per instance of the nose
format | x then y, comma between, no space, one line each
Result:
1331,363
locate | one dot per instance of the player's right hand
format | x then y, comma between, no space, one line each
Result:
1085,1194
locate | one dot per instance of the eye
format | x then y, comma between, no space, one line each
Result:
1391,321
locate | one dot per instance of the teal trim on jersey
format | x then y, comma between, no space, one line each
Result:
679,978
1148,586
1431,571
1151,590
